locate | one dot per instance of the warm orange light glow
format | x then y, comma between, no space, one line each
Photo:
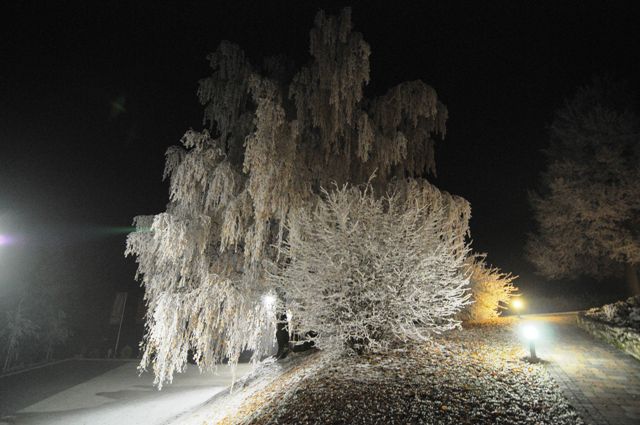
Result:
517,304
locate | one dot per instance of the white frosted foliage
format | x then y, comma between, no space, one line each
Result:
275,136
366,271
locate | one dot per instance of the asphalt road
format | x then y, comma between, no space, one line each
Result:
104,392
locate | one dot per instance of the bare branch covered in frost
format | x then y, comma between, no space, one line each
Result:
491,290
365,271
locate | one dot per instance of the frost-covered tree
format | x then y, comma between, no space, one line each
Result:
16,329
275,136
588,210
491,290
365,271
54,331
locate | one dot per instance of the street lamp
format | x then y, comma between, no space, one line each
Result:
531,334
517,305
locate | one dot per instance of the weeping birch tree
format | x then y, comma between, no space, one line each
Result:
275,137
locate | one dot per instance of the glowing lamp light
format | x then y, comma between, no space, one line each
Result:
268,300
517,304
531,334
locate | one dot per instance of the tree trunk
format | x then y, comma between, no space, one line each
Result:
632,278
282,336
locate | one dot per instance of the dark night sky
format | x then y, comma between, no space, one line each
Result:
70,169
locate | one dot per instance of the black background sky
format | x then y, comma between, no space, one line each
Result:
73,169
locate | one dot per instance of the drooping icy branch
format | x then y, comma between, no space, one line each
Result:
275,136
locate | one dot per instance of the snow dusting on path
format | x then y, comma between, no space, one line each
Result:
120,396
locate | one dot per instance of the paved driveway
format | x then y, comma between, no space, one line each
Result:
23,389
600,381
116,396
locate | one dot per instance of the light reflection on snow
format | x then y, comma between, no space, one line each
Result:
121,397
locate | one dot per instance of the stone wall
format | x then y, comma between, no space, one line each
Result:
626,339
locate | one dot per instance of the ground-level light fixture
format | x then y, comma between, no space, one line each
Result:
531,334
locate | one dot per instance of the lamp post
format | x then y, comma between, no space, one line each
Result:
531,334
124,305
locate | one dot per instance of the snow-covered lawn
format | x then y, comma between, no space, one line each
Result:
473,376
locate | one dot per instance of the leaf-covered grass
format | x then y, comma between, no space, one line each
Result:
474,376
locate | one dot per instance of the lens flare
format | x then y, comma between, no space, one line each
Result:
5,240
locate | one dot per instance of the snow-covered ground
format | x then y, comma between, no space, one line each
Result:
474,376
120,396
